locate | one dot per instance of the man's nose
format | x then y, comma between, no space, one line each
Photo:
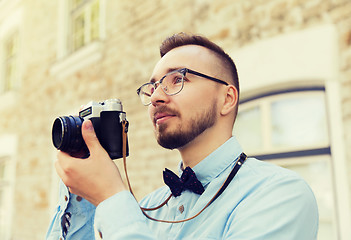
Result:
159,96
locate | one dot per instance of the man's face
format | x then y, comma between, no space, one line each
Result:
181,118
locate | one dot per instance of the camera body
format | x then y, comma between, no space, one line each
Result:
107,118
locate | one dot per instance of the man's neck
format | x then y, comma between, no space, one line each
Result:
202,146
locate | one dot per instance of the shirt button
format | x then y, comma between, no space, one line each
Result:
100,234
79,198
66,198
181,209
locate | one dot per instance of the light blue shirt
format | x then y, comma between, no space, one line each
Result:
263,201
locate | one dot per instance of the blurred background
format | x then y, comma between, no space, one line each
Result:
294,64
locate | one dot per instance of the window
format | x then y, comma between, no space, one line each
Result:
290,128
249,128
80,37
284,122
4,187
299,121
10,71
84,23
7,177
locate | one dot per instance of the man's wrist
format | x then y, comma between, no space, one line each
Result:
108,194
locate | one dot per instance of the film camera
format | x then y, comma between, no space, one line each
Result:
107,118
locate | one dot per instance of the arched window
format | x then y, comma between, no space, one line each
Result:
290,128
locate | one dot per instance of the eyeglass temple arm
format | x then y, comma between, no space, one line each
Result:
205,76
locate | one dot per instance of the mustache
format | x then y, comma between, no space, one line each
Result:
165,109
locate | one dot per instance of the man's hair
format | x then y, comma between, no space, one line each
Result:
182,39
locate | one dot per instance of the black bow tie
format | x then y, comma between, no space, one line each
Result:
187,181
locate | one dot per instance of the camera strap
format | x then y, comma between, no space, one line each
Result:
241,159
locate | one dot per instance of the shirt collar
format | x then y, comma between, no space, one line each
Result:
215,163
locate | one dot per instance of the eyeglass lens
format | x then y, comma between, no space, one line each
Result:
171,83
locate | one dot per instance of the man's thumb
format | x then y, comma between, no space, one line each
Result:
89,136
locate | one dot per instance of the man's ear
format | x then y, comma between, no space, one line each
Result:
230,101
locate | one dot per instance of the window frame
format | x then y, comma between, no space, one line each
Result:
82,9
265,99
11,17
68,62
12,84
334,149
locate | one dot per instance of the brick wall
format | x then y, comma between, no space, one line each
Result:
134,30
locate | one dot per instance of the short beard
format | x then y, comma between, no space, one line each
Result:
181,137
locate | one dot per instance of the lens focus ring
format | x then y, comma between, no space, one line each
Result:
66,134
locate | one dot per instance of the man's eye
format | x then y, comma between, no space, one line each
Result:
177,80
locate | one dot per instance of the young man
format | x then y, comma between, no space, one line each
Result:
192,99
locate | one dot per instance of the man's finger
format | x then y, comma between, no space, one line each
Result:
90,137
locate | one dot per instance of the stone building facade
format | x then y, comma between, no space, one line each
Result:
50,67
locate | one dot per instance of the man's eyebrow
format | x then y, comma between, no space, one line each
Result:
152,80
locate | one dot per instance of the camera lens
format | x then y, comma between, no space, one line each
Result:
67,135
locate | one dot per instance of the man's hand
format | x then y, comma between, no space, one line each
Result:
95,178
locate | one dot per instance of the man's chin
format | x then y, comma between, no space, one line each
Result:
173,139
169,140
169,144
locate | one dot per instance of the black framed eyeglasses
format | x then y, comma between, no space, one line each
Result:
171,84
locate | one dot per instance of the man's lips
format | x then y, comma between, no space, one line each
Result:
162,117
